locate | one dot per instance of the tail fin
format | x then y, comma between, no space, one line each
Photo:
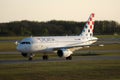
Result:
89,27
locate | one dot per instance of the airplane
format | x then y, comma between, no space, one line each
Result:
64,46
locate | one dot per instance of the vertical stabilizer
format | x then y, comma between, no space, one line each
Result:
89,27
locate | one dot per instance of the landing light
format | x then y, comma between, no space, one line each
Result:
16,43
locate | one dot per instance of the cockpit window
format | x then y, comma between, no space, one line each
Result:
22,43
25,43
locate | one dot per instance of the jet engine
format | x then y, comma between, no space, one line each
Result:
64,53
24,54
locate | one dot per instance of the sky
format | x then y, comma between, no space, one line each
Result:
70,10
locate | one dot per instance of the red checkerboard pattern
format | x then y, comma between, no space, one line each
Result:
89,26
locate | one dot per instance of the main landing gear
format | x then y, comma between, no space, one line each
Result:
69,58
45,57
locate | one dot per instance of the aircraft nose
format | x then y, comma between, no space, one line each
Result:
19,48
23,48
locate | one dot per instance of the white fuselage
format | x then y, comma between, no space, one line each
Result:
63,45
47,44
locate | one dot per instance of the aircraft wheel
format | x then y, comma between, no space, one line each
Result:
45,57
69,58
30,58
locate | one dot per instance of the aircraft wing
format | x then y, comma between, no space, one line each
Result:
98,43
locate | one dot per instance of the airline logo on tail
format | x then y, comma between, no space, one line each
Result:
89,27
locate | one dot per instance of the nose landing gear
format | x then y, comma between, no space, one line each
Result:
31,57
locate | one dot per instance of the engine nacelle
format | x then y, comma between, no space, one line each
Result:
64,53
24,54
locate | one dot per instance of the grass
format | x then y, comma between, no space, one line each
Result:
68,70
107,36
7,46
12,38
105,47
20,57
83,70
11,57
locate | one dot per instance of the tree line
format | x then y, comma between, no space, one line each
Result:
54,28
